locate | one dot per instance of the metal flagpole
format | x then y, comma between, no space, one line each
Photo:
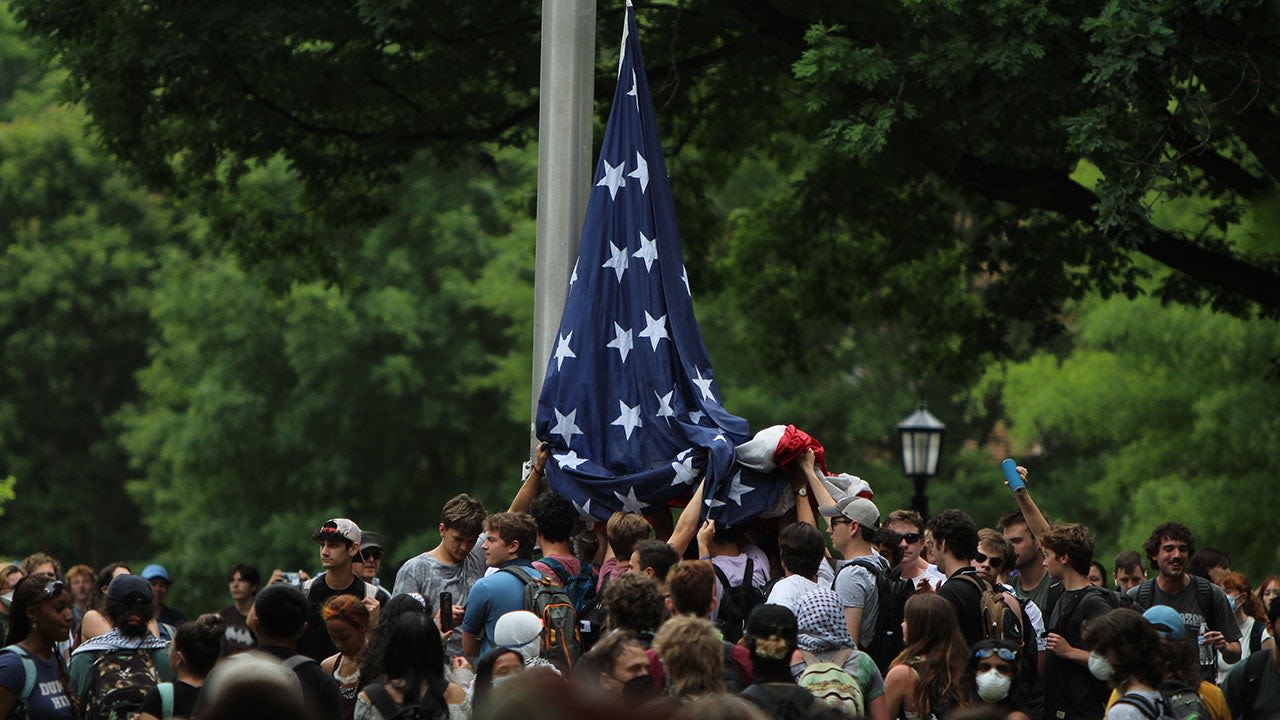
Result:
564,165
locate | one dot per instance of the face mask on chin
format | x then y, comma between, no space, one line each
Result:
993,685
638,689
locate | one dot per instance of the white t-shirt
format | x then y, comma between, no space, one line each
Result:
788,591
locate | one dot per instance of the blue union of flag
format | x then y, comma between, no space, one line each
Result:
630,404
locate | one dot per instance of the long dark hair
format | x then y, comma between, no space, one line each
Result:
371,666
29,591
484,676
98,600
1017,699
935,649
414,654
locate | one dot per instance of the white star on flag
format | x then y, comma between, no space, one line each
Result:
737,489
617,260
713,503
719,438
621,341
565,426
563,351
574,277
684,276
628,418
633,92
696,416
704,384
655,329
648,251
584,512
641,172
685,472
630,503
570,460
664,404
613,178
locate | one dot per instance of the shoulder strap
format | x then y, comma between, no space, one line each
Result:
382,700
166,699
809,658
973,579
28,669
1145,592
558,568
520,573
865,563
842,656
1204,596
1145,706
724,581
1255,636
748,574
297,661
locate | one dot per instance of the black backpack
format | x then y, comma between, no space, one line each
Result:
580,588
592,619
739,601
387,707
892,592
1254,667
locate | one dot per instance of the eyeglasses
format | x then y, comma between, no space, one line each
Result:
841,521
996,562
371,555
1002,653
912,538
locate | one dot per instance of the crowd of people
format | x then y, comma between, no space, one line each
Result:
831,611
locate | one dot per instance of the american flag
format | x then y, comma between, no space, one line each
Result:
630,404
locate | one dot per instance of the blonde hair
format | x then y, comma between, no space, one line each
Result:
691,651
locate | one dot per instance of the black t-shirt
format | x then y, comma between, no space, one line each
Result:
319,690
966,598
1070,691
184,700
315,643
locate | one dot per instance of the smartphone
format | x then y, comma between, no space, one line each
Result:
293,578
1010,468
446,611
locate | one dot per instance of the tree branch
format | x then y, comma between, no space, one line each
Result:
1054,190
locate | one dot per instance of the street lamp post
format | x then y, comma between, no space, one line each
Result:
921,435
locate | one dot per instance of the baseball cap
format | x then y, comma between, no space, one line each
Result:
153,571
369,540
1167,622
133,588
857,509
340,528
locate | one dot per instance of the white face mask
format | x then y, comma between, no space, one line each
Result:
993,685
1099,667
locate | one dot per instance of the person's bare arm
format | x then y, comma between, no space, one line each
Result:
898,684
470,644
532,482
853,620
878,708
816,485
1036,521
687,526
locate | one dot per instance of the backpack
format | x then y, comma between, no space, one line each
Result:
166,699
1204,595
831,683
561,641
580,588
1255,636
1254,667
782,702
118,682
739,601
892,592
29,681
1001,614
387,707
1177,702
592,619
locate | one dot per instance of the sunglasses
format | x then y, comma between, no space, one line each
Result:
912,538
53,589
371,555
1002,653
995,561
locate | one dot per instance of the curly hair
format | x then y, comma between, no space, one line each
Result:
1246,600
554,515
1131,645
1171,531
35,560
634,602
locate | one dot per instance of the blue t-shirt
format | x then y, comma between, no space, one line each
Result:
49,699
492,597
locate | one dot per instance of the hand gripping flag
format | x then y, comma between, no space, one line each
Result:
630,404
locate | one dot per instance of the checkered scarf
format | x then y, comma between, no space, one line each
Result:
820,616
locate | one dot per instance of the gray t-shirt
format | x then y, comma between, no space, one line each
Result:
856,587
1220,616
430,577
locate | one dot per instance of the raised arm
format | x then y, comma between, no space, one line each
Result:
532,480
687,526
1036,522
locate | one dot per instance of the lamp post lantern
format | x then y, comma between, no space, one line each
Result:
921,435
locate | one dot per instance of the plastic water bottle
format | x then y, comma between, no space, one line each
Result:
1206,650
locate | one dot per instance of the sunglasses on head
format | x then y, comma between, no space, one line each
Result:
912,538
53,589
995,561
1002,653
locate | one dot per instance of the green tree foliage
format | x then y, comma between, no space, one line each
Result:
265,414
1159,413
75,263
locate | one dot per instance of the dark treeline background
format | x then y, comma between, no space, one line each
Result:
223,322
